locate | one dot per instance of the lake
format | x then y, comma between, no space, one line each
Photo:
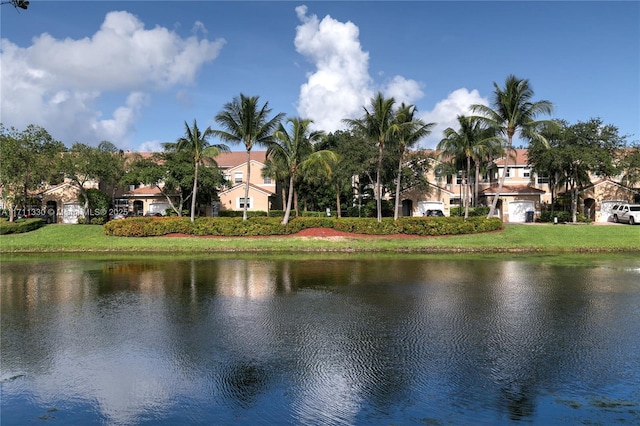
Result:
320,340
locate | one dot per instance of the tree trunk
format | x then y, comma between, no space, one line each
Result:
378,185
574,200
287,211
338,200
12,211
467,189
87,213
175,209
193,193
494,203
476,185
395,213
246,187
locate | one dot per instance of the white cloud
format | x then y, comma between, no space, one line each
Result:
150,146
445,113
341,84
403,90
57,83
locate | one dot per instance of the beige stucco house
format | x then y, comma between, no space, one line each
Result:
524,191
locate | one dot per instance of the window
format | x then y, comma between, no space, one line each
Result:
237,177
543,177
508,172
227,176
267,180
241,203
526,173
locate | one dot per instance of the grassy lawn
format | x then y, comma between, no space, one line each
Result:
514,238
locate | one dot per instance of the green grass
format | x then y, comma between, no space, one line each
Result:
514,238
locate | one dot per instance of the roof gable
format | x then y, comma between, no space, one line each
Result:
252,188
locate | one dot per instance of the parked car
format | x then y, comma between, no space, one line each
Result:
629,213
434,212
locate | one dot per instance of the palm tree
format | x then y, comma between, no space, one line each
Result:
377,126
196,143
293,147
245,122
408,130
512,110
471,143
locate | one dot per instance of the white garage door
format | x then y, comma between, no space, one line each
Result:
158,208
423,206
70,212
518,210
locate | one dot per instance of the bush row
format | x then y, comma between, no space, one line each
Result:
260,226
19,226
563,216
473,211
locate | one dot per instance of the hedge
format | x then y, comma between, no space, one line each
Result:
264,226
19,226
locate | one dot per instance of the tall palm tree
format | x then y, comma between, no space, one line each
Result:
246,122
512,110
293,147
376,124
408,130
471,143
196,143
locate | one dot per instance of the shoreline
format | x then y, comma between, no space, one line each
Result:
512,239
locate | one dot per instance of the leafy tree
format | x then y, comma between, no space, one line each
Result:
471,142
357,158
84,165
27,161
98,202
630,164
196,144
408,131
376,124
172,173
577,152
245,122
543,158
512,110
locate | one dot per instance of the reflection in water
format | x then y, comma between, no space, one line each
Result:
319,341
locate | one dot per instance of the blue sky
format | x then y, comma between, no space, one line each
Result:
133,72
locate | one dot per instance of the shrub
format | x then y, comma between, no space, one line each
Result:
239,213
563,216
473,211
19,226
261,226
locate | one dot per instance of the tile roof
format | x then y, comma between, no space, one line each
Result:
235,158
520,159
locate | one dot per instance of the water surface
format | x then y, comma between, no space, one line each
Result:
335,341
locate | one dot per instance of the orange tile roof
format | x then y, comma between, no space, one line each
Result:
144,190
520,160
235,158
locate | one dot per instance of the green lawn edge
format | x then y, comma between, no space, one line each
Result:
512,239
